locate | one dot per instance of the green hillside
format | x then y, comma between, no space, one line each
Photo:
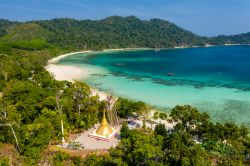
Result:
243,38
4,25
118,32
112,32
26,32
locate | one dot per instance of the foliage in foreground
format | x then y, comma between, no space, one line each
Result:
31,101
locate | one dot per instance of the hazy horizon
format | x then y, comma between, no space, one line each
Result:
205,18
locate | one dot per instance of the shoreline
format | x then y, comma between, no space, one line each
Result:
66,73
58,58
74,73
103,95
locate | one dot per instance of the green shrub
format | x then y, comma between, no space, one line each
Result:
30,45
163,116
4,161
59,157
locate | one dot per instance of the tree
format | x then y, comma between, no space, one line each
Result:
160,129
80,92
59,109
124,132
163,116
93,160
4,121
156,115
187,118
26,97
126,107
139,149
4,161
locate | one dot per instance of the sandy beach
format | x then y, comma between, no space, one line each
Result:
56,59
71,73
67,73
74,73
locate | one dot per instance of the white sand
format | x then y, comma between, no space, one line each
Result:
102,95
167,124
67,73
71,73
231,44
56,59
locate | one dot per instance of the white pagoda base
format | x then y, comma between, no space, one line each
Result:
101,137
104,132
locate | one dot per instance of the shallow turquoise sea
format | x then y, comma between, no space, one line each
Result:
214,79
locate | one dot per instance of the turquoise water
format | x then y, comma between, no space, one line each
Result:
214,79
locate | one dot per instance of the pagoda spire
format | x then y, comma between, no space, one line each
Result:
104,130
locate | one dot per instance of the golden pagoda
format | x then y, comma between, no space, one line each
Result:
104,129
104,132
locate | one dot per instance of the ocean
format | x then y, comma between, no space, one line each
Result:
213,79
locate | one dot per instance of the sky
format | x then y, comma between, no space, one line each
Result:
203,17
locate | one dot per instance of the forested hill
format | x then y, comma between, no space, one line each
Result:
4,26
112,32
243,38
117,32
